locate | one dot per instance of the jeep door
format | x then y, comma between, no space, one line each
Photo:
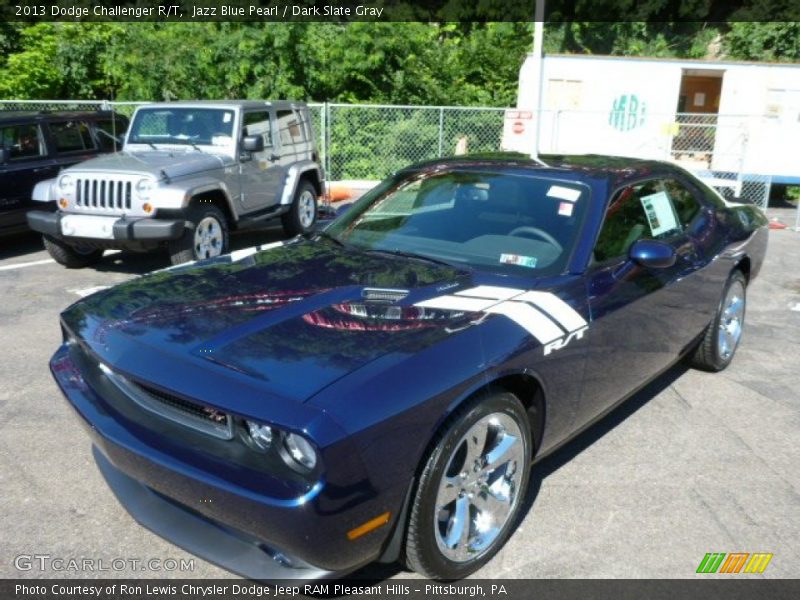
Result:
642,317
260,173
28,163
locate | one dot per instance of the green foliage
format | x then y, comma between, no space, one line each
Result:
779,41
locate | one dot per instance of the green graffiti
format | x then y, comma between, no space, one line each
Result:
627,112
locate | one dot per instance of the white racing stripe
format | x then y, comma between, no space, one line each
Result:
490,291
527,317
542,314
458,303
553,306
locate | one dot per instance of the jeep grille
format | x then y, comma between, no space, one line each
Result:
108,194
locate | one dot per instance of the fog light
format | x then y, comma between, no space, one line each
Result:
147,207
300,450
260,434
63,203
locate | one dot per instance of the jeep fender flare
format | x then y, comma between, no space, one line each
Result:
293,175
45,191
180,196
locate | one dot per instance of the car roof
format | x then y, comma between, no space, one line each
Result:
245,104
615,170
15,116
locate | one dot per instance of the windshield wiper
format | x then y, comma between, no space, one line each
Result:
423,257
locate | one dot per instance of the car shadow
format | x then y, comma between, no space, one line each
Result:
376,573
19,244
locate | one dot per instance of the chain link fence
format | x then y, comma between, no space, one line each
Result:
370,141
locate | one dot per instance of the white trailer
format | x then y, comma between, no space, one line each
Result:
730,121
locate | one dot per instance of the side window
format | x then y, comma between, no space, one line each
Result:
683,200
72,136
110,133
289,128
642,211
22,141
257,123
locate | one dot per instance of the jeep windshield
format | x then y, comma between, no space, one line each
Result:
183,126
510,223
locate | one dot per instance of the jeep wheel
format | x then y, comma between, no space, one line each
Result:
206,238
72,257
303,213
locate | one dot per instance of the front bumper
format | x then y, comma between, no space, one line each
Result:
253,535
122,229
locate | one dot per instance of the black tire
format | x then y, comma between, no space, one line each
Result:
433,520
72,257
187,248
712,354
297,221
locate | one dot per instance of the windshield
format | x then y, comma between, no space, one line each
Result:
190,126
503,222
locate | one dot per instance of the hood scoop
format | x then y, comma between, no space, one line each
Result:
389,296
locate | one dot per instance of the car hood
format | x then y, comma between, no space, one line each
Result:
163,164
288,320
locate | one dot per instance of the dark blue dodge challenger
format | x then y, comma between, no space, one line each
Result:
379,390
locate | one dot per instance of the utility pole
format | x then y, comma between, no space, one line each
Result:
538,36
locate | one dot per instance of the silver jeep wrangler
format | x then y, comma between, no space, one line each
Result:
188,173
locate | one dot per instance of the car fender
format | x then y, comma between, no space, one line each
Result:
45,191
293,176
177,196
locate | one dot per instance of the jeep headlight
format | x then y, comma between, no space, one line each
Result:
144,187
294,449
66,184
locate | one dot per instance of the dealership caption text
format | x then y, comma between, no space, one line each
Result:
252,590
195,12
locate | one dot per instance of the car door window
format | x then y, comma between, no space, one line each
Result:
643,211
72,136
289,128
686,205
110,133
258,123
22,141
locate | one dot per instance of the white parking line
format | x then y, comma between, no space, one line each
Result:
27,264
88,291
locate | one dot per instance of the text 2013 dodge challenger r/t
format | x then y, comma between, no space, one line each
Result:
379,390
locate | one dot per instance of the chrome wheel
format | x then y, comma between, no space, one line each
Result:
731,320
208,238
480,488
306,209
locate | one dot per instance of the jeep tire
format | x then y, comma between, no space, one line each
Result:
72,257
207,236
303,213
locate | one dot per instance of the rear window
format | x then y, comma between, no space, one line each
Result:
72,136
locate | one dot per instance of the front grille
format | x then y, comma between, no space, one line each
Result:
108,194
190,414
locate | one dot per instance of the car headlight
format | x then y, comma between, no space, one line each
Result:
66,184
144,187
294,449
260,434
300,450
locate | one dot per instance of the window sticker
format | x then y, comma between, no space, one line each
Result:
565,209
564,193
226,118
660,214
516,259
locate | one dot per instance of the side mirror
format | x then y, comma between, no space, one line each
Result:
652,254
253,143
4,155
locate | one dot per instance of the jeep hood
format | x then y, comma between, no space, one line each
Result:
288,321
158,163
